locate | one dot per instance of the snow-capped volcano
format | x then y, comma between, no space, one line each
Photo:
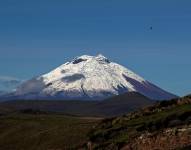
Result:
89,77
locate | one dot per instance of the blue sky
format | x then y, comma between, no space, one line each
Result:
39,35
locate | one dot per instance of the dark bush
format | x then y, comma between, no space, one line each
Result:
167,103
185,115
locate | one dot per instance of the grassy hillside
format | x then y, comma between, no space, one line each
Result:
166,125
43,131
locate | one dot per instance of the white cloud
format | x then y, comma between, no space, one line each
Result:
9,78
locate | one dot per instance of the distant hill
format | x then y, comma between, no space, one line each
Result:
122,104
113,106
